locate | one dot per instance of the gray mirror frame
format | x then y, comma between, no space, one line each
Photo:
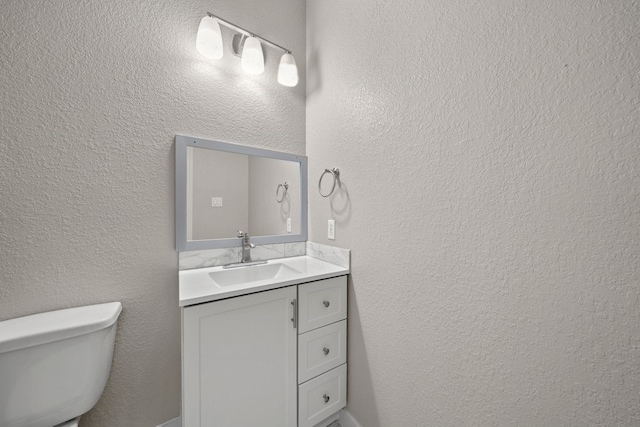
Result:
182,143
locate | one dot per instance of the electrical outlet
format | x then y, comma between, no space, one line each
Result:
288,225
216,202
331,229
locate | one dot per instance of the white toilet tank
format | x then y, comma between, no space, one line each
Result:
54,366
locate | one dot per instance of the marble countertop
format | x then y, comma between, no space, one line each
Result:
197,286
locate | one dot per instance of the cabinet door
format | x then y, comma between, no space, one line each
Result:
239,362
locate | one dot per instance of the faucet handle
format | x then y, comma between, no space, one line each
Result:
241,234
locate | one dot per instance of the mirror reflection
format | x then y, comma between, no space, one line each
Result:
231,191
222,188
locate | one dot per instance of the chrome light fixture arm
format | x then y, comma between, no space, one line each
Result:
244,32
247,46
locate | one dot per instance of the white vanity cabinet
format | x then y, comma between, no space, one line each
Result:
239,362
322,350
272,359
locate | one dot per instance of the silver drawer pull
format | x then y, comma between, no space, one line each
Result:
326,398
325,350
326,303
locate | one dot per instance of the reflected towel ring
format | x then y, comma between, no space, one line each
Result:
335,172
284,187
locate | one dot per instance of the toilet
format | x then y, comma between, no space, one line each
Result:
54,366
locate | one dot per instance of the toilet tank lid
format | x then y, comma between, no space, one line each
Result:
42,328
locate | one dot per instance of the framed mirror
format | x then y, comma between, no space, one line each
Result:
222,188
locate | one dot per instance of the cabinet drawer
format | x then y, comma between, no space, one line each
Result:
321,350
322,302
322,396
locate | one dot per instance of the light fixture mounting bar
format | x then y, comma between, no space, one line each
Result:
246,33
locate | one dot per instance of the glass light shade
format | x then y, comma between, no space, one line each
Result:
209,39
288,71
252,56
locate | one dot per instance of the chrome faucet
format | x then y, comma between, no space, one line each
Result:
246,246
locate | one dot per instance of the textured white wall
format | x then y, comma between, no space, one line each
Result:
92,96
490,161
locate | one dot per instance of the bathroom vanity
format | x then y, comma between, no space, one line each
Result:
264,345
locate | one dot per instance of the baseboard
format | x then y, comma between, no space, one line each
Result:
327,421
347,420
176,422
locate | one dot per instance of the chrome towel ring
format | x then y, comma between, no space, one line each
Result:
335,172
284,187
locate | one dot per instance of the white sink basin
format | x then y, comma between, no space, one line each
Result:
201,285
250,274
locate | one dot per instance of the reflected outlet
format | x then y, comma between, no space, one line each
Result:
331,229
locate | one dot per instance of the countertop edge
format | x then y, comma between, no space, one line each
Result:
186,302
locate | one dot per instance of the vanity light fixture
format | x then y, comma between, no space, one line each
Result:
209,39
288,71
245,44
252,56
